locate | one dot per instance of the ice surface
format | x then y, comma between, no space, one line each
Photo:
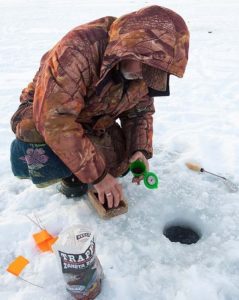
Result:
198,122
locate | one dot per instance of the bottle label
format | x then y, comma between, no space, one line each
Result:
72,263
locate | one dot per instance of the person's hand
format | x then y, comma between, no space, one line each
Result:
138,155
111,189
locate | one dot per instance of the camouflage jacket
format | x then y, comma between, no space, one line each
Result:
78,86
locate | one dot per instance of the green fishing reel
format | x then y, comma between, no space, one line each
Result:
138,169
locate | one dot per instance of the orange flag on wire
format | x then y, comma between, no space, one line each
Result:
44,240
17,265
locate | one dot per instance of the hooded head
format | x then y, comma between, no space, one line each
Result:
155,36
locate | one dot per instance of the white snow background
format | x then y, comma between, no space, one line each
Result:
198,122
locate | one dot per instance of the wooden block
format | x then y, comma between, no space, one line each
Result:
102,209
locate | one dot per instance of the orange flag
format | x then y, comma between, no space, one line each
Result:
17,265
44,240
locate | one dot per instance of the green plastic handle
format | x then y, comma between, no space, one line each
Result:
138,169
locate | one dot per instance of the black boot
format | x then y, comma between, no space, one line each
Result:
73,187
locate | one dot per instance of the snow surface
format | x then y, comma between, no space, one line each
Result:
198,122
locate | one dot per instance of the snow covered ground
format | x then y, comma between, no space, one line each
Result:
198,122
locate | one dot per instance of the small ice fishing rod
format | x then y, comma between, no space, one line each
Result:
138,169
198,168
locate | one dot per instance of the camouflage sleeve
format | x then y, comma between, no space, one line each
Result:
137,124
60,98
22,123
24,110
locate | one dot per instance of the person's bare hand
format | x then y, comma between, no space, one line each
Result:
109,185
139,156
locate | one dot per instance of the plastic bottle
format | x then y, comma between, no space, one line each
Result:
82,271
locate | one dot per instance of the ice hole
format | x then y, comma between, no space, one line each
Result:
182,232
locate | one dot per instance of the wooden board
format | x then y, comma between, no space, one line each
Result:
102,209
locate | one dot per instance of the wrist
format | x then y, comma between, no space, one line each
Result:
99,179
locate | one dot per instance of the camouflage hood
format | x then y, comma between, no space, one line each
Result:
154,35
